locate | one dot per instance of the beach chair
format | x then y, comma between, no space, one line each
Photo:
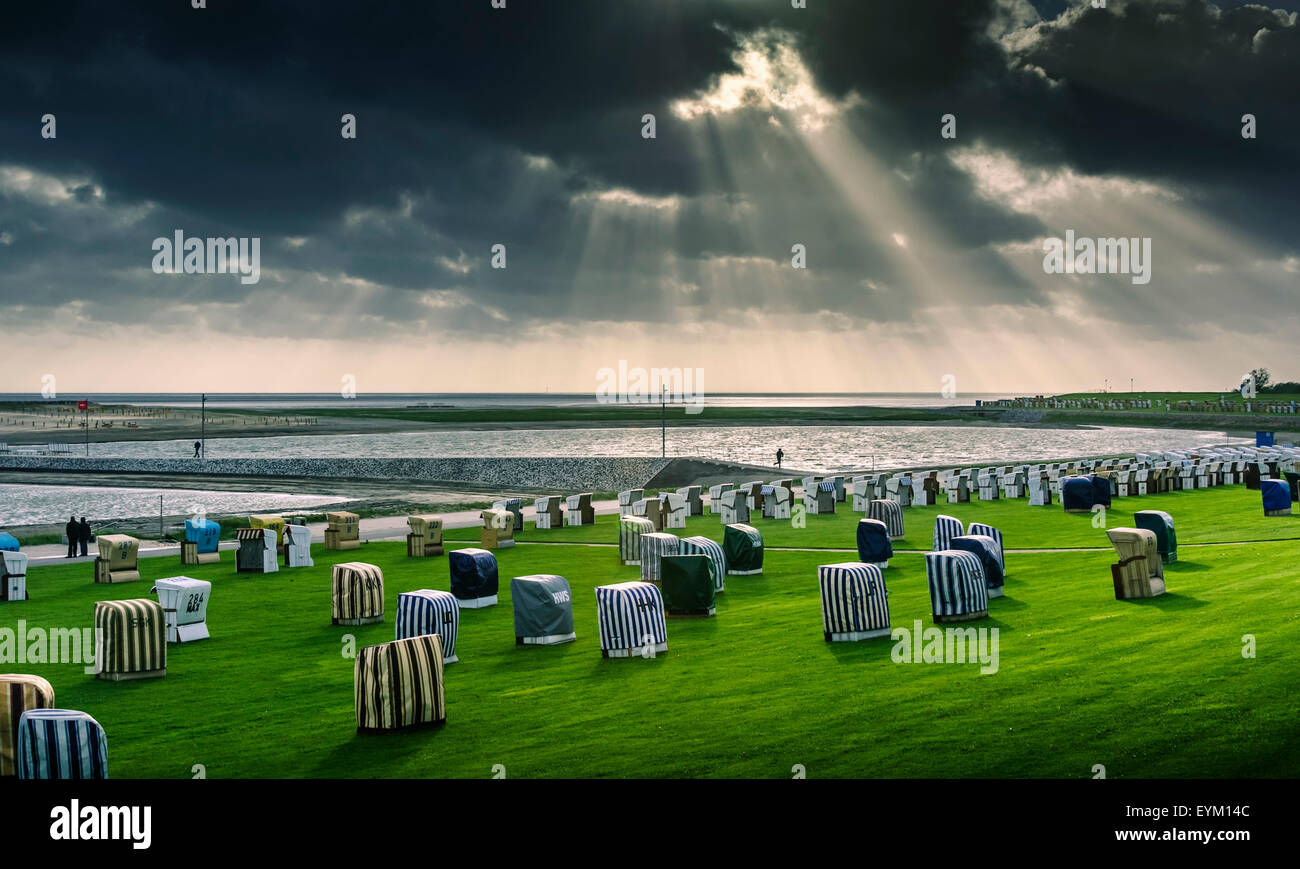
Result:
1013,484
654,546
957,489
297,546
945,529
1160,524
776,502
515,507
257,550
1276,495
651,509
548,512
958,590
874,545
13,576
117,558
733,507
898,489
630,529
714,552
864,492
425,537
578,510
342,531
694,503
630,619
820,498
627,499
889,512
980,529
715,496
673,507
498,531
989,554
855,602
753,496
1139,573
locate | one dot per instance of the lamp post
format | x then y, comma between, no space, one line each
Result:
203,426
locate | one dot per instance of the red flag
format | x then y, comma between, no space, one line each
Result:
81,405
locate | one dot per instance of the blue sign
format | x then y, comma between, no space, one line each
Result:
1263,438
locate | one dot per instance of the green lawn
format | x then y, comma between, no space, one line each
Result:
1153,688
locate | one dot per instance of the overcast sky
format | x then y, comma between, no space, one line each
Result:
523,127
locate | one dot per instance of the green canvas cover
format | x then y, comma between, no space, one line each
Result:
743,546
686,582
1162,525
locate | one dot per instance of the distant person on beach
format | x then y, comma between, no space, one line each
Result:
73,531
84,535
197,446
780,454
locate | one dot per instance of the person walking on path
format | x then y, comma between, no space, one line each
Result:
73,531
780,454
197,446
85,535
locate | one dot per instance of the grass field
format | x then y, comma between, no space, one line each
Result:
1153,688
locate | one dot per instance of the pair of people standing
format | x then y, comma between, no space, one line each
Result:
78,533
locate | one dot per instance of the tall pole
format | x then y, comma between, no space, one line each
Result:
203,430
87,427
663,423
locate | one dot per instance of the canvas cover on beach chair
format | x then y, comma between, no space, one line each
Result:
130,640
117,558
1276,495
776,502
276,523
958,590
425,537
515,507
543,610
855,601
61,744
578,510
694,502
256,553
673,509
498,531
1077,494
1139,572
297,546
200,545
473,577
427,611
400,684
987,550
742,545
342,531
715,496
686,582
630,530
627,499
945,529
19,693
13,575
549,512
630,618
1161,524
184,603
653,547
874,545
889,512
1100,490
983,530
733,507
357,593
711,550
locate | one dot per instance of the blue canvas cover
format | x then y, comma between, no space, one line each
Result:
987,550
1100,490
204,532
1077,493
874,545
473,573
8,543
1276,495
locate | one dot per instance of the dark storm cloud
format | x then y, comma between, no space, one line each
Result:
225,122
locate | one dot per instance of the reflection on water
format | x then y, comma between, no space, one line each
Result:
35,505
814,448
